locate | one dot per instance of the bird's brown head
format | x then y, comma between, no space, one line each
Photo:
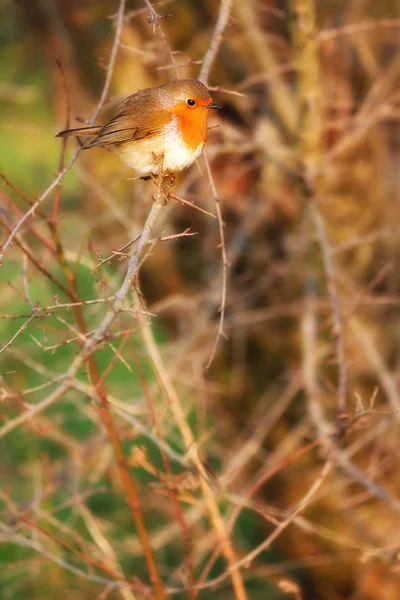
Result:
190,102
185,96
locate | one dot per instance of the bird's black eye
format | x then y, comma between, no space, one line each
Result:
191,102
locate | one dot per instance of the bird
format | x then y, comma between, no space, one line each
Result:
164,125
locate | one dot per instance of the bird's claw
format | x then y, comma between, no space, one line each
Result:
171,176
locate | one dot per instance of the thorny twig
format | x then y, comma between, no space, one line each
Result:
154,19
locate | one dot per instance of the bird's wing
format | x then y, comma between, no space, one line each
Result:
136,118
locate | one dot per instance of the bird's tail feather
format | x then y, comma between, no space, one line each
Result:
80,131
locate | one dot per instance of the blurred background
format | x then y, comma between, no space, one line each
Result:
303,389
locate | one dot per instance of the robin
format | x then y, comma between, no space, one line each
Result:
168,121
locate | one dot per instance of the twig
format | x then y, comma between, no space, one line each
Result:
310,367
187,436
357,28
225,265
155,18
63,143
19,213
123,410
36,204
246,561
369,348
105,196
17,539
173,494
216,40
131,14
20,330
188,63
119,251
26,250
311,152
242,501
84,557
111,62
280,94
337,325
192,205
176,236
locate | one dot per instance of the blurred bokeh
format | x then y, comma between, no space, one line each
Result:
305,156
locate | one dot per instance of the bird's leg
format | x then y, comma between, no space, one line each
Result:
163,191
168,183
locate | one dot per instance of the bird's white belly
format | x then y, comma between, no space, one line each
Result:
139,155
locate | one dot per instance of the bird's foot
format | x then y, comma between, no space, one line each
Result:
171,177
163,192
164,187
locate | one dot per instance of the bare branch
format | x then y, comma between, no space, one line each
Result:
212,50
111,63
337,325
93,341
155,20
225,264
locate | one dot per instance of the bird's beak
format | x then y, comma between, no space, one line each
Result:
213,105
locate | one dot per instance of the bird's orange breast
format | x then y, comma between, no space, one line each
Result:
192,126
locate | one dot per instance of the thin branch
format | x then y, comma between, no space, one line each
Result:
26,250
317,416
131,14
154,19
111,62
215,43
192,205
357,28
176,236
18,333
225,264
337,325
17,539
119,251
63,143
35,205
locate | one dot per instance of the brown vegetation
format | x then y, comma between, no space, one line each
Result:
211,410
